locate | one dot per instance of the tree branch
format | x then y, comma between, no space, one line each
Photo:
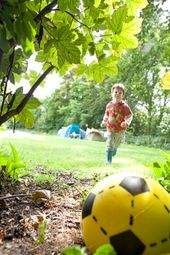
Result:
73,16
46,10
20,107
14,196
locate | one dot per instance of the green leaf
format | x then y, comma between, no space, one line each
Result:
33,103
33,74
29,25
16,166
156,165
69,5
116,22
4,45
98,71
126,38
75,250
106,249
166,168
42,228
32,5
158,173
42,55
80,69
18,99
3,157
134,5
26,118
68,52
165,155
133,27
88,3
168,164
91,48
97,3
24,27
81,39
15,154
7,24
64,33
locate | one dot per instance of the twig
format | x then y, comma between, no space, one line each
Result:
13,196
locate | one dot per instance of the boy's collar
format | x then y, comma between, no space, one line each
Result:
120,102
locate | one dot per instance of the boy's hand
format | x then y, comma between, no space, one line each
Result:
124,124
102,124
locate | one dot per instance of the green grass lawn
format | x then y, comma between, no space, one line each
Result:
82,157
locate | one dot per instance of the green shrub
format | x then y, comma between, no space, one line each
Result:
156,142
106,249
162,171
11,166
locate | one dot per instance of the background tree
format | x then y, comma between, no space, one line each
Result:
144,67
78,100
61,34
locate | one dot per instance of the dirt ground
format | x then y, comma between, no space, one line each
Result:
20,217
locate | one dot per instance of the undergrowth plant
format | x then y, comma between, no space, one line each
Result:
105,249
11,166
161,171
42,228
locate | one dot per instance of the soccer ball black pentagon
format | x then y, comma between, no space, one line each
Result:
130,212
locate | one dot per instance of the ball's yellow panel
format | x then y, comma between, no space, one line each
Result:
97,234
111,200
152,214
130,212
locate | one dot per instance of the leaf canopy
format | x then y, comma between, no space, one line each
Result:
63,35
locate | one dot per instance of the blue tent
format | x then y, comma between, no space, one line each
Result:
72,131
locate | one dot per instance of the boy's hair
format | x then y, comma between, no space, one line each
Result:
119,86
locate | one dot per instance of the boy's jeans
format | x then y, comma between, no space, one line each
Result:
113,141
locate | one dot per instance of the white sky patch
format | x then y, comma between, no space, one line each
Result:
52,81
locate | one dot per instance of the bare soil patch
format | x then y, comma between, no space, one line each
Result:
19,215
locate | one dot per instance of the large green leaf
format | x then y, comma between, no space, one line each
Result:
67,50
4,45
65,34
15,154
26,118
80,69
20,65
126,41
74,250
24,27
99,71
97,3
33,103
33,5
133,27
88,3
7,24
135,5
126,38
69,5
116,22
17,101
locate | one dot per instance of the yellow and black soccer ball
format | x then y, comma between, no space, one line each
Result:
130,212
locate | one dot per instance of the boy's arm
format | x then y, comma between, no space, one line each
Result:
129,119
105,118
